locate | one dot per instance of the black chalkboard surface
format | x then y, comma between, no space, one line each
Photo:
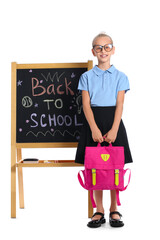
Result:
49,106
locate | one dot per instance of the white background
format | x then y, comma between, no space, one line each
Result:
62,31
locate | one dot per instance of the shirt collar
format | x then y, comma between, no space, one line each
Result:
99,71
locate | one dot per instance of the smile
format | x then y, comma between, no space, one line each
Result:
104,55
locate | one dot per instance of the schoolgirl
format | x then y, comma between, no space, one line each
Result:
103,90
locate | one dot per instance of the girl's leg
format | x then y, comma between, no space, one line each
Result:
113,206
98,195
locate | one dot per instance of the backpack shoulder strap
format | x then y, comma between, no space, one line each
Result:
117,197
92,199
128,178
83,185
80,179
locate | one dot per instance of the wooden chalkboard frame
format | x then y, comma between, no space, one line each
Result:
16,148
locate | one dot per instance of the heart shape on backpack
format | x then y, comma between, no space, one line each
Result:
105,157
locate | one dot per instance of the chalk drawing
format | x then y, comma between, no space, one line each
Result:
19,83
49,77
27,102
79,103
44,134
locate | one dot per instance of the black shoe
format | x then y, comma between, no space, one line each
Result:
96,223
115,222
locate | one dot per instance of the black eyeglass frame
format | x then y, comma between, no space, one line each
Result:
103,47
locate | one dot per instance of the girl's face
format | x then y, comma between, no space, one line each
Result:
103,56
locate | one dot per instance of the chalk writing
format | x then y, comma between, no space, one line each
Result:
51,89
58,103
49,106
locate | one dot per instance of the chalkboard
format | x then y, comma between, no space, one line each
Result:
48,105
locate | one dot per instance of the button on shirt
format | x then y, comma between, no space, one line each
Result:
103,85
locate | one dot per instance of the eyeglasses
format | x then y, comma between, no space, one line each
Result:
107,47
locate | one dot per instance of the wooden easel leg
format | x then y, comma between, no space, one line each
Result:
13,182
90,207
20,180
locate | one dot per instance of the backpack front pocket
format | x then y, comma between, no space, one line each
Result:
97,179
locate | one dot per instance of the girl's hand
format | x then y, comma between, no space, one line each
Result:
97,135
110,136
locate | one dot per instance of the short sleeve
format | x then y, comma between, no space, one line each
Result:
123,84
83,83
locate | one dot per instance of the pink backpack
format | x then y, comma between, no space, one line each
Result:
104,170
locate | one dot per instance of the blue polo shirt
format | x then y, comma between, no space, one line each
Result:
103,85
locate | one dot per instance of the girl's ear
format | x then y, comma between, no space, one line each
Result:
113,50
93,52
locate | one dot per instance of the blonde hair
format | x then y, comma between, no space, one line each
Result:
101,34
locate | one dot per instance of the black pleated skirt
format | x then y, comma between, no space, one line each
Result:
104,117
